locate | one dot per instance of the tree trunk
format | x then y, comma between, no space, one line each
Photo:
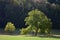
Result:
36,31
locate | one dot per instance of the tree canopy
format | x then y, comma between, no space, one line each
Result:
38,19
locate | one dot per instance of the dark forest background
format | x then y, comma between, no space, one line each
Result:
15,11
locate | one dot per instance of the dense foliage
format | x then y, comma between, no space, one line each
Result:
9,27
16,11
38,20
25,30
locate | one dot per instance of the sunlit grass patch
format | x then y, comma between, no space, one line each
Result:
23,37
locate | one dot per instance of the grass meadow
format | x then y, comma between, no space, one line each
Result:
22,37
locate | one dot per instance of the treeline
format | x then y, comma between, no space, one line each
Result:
15,11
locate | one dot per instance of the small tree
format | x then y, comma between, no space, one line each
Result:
10,27
38,20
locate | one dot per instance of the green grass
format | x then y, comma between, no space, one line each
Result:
21,37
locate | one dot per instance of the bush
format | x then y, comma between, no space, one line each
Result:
25,30
28,30
10,27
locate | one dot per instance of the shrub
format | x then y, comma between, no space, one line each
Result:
10,27
25,30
